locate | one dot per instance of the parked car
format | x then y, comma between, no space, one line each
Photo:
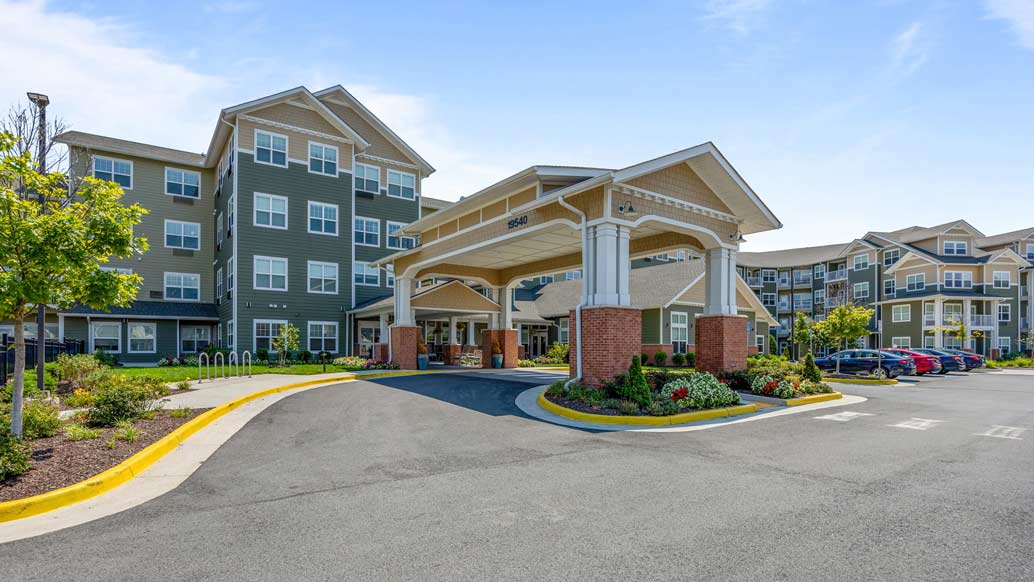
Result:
972,361
873,362
949,362
925,363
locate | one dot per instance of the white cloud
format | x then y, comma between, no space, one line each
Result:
739,15
910,48
1020,16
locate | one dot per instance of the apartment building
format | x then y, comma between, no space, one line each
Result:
919,281
275,223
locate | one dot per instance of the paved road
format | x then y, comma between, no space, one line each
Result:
442,478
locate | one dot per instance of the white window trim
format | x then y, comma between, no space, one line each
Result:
681,326
366,268
964,280
165,286
920,277
387,184
308,217
337,335
1028,250
907,309
1005,341
287,149
387,233
854,262
818,272
765,273
129,337
219,283
896,342
165,234
230,273
132,170
546,279
365,244
93,336
893,283
994,279
254,336
956,243
165,183
308,277
896,253
370,166
564,329
287,272
774,299
254,211
308,162
865,285
1008,313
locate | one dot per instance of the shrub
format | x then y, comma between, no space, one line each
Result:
181,412
78,432
644,358
7,391
15,455
637,390
809,371
558,353
350,362
691,359
678,360
525,363
617,387
122,399
262,354
124,430
809,387
660,358
785,389
628,408
80,398
105,358
658,378
699,391
556,388
587,395
305,356
39,420
156,386
738,380
183,384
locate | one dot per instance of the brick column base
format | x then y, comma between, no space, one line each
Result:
380,352
452,354
507,339
721,343
520,352
403,346
611,336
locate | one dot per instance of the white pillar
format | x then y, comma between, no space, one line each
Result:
720,291
605,266
403,296
938,313
967,318
470,333
384,329
505,320
452,331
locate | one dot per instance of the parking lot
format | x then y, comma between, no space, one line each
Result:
442,477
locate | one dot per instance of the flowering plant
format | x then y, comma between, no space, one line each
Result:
679,394
699,391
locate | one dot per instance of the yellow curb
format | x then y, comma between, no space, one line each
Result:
861,381
133,466
645,420
813,398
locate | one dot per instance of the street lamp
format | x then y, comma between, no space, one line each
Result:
41,101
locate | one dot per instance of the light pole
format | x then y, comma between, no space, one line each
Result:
41,101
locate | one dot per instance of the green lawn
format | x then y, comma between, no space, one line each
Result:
177,373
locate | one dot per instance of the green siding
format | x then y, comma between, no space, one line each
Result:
651,326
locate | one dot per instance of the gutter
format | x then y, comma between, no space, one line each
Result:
585,287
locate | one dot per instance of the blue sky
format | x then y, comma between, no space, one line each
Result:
843,116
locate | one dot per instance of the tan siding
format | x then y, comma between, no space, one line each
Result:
493,210
647,207
454,296
380,146
447,229
470,219
298,117
522,197
679,181
297,142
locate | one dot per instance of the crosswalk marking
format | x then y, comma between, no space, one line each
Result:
917,423
1003,432
843,416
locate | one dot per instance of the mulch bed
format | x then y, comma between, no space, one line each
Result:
581,406
58,462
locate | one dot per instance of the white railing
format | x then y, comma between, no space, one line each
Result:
805,280
982,321
754,281
784,306
837,275
929,320
802,304
784,282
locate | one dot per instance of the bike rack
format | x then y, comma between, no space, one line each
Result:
246,362
233,364
219,361
203,357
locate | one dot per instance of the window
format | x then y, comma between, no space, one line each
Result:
564,334
142,337
389,275
364,274
112,170
768,276
904,343
901,313
916,282
230,272
759,341
860,262
680,256
322,337
952,313
219,229
322,159
230,211
367,232
819,271
545,279
323,278
891,256
1005,345
218,283
266,330
367,178
270,211
952,342
890,288
1002,280
270,273
395,241
955,247
182,183
679,332
820,296
270,148
401,185
929,342
571,275
194,339
322,218
107,336
1030,252
182,235
230,335
958,279
183,286
1004,312
768,299
861,290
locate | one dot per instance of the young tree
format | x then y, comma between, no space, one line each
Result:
802,332
845,324
959,329
22,122
52,253
285,343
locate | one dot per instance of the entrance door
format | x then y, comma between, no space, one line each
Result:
369,334
539,343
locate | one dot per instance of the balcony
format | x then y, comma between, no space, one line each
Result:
929,321
986,321
802,281
802,305
837,275
784,283
754,281
782,331
832,302
784,306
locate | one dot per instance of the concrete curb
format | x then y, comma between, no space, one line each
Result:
861,381
809,399
683,418
133,466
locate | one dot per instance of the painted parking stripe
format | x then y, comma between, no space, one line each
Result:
917,423
1003,432
845,416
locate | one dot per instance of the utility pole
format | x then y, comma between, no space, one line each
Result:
41,101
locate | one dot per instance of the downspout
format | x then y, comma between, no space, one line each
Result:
585,289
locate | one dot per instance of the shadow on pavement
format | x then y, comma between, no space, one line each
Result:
481,393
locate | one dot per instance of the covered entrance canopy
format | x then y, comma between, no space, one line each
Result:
548,219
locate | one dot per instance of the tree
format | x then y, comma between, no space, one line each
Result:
802,331
285,343
959,329
52,253
22,122
845,324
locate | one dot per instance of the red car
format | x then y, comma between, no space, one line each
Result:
924,363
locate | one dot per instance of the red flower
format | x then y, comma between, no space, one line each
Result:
679,394
796,385
770,387
724,381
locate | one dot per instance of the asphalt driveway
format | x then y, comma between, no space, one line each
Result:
443,478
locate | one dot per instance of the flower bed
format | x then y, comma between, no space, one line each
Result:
777,377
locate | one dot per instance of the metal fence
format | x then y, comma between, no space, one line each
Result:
51,350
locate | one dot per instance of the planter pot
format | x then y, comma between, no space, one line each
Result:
497,360
421,361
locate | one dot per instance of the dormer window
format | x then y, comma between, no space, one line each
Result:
956,247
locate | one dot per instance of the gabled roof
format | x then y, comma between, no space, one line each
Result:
130,148
1006,237
798,257
908,256
340,92
918,233
858,242
435,203
1010,255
